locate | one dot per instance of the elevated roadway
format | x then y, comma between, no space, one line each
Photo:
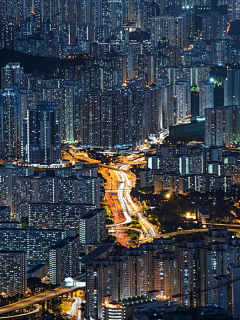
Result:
17,316
47,295
187,232
223,225
125,181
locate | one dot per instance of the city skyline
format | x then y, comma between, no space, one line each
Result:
120,159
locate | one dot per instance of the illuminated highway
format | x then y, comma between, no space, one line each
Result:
120,182
142,234
47,295
75,306
36,310
124,205
129,208
189,232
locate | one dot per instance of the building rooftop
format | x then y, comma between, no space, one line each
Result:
64,242
35,268
91,213
2,207
97,252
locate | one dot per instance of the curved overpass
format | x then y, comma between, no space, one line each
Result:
37,309
47,295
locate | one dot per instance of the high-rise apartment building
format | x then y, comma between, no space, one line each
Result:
222,126
233,10
140,118
164,279
182,100
9,174
92,226
206,96
68,95
220,292
166,106
42,135
27,101
130,274
64,216
106,118
188,272
12,76
231,87
8,33
234,115
152,100
5,213
10,139
170,27
217,132
72,185
64,260
70,116
99,283
190,268
45,189
214,26
219,48
233,294
34,242
13,272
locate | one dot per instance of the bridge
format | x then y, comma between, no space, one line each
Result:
69,287
222,225
189,232
28,314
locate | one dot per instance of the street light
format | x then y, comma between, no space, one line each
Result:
188,214
167,195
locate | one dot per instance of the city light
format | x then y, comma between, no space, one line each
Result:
120,159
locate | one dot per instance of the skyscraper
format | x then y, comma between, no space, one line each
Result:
233,9
219,48
106,118
170,27
231,87
92,226
61,215
13,272
182,100
214,26
35,243
42,134
217,127
64,260
206,96
10,125
222,126
233,294
11,75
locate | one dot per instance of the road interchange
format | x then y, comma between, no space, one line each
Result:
129,209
